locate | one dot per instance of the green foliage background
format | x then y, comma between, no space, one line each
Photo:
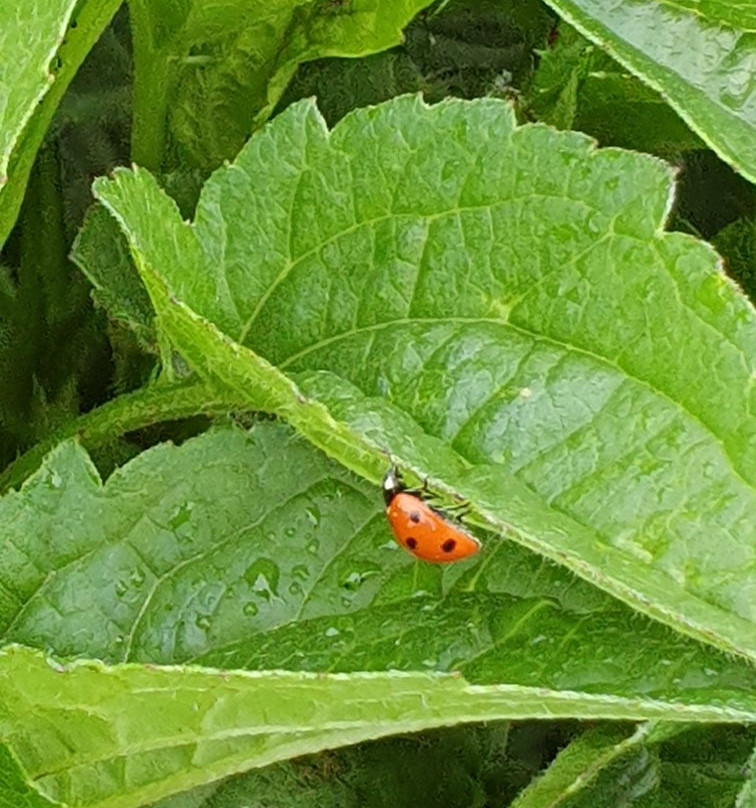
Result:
467,237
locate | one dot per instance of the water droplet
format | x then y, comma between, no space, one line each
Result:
356,579
353,581
203,621
313,546
56,480
301,572
313,516
263,576
121,588
290,532
295,588
250,609
332,632
733,100
596,223
182,515
137,576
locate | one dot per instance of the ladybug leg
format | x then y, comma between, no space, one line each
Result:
421,492
459,510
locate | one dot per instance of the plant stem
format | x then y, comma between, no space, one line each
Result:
149,405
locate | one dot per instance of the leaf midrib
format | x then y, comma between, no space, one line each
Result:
392,325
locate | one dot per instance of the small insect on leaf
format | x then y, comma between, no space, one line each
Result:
423,531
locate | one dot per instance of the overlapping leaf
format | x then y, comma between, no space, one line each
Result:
122,736
699,55
506,300
252,550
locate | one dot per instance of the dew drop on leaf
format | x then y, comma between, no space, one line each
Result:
250,609
263,576
301,572
181,516
352,581
137,576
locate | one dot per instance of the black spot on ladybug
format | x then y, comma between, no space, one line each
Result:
411,543
414,517
449,545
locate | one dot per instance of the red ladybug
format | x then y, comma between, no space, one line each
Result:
422,530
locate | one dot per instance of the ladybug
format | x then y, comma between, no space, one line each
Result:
423,531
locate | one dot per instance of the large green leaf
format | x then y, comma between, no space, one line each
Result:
41,48
254,551
500,308
699,55
115,737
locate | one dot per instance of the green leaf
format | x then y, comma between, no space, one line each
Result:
301,573
700,58
469,295
692,768
101,252
15,791
341,85
579,86
91,735
26,63
42,46
205,74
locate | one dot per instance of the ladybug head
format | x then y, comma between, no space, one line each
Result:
392,484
